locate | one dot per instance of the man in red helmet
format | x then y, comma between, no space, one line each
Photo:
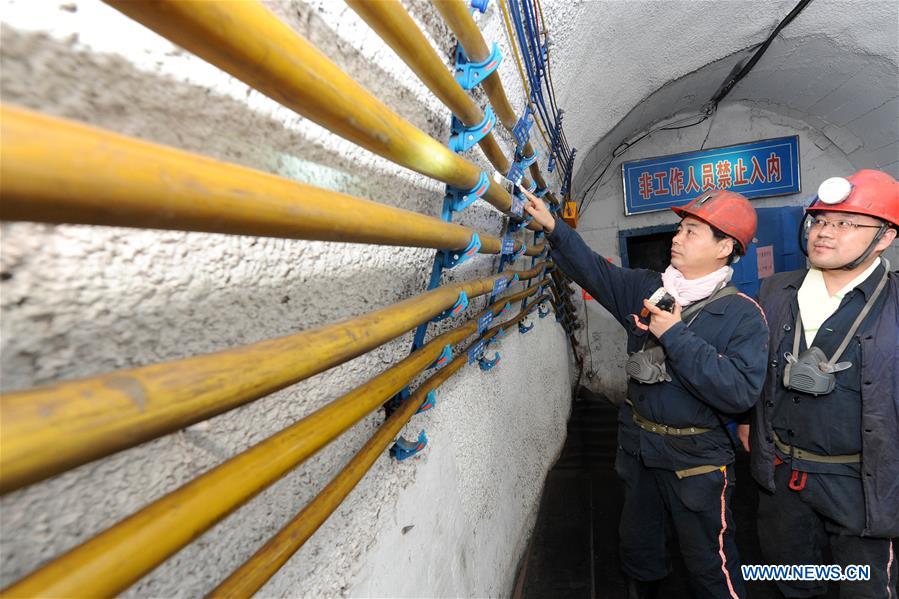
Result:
690,370
825,437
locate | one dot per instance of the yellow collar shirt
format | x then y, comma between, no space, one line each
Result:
816,304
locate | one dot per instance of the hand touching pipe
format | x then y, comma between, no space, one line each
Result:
537,208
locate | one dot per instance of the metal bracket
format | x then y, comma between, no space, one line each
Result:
532,186
453,258
523,329
459,199
443,359
541,312
487,364
460,306
541,192
464,138
403,449
429,402
468,73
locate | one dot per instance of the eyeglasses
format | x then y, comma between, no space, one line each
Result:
839,225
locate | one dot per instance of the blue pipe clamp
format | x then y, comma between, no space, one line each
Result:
429,402
460,306
460,199
453,258
443,359
403,449
487,364
524,329
516,256
464,138
468,73
541,312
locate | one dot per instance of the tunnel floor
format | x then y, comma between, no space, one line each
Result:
573,551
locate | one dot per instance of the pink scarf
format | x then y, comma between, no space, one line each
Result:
686,291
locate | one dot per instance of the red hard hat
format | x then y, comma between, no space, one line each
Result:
727,211
869,192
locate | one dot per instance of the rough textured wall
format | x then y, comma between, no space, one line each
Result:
604,217
78,301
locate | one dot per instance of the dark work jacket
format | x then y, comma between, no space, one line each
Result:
878,381
717,364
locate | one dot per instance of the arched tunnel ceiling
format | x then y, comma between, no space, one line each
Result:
619,67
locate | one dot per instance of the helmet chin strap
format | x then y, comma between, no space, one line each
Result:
858,261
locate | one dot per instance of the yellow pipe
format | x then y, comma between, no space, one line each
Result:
257,570
247,41
51,429
455,14
389,19
58,171
116,558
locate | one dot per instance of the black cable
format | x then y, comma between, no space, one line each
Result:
625,146
743,69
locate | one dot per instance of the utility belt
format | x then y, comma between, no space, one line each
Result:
664,429
810,456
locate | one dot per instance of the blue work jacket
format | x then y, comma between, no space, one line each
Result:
717,364
874,379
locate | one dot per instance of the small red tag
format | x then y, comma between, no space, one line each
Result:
586,295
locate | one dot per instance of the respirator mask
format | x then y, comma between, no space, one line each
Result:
811,372
647,366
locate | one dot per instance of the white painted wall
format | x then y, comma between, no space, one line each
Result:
80,300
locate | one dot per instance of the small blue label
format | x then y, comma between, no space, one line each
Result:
522,129
508,246
484,322
517,204
499,286
515,174
475,352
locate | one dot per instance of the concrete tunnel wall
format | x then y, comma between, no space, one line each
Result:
454,521
79,300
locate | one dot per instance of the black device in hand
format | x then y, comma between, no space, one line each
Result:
661,299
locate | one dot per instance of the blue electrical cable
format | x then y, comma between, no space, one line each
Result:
527,32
